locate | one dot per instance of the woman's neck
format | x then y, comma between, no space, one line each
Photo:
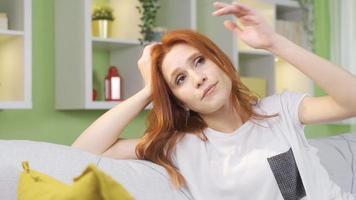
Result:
225,120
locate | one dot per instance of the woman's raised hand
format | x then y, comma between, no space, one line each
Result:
255,31
144,64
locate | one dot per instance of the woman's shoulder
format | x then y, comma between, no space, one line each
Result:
268,104
274,102
286,104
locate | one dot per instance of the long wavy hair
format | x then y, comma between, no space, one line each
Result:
168,121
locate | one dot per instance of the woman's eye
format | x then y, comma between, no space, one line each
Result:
200,60
180,79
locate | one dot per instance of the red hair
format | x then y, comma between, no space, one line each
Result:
167,122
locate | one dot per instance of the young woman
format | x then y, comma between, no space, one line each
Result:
211,133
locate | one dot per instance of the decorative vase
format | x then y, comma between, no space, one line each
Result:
102,28
158,32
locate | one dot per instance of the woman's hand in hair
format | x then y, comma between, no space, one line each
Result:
144,64
255,31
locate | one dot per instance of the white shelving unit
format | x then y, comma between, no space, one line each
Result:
15,56
75,46
262,65
112,44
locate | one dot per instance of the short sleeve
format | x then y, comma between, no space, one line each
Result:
291,102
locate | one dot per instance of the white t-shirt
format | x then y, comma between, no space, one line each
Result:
254,162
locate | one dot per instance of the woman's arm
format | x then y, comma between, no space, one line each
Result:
100,135
106,130
339,84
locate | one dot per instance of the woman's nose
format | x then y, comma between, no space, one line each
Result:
199,79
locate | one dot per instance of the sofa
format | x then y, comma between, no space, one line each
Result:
143,179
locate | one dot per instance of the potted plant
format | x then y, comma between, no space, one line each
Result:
102,18
148,10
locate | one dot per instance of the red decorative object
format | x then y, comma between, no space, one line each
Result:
113,85
94,94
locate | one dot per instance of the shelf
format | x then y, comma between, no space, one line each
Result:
6,38
112,44
16,56
15,105
82,60
287,4
100,105
11,33
103,104
263,65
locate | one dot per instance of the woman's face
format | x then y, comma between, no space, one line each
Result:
195,80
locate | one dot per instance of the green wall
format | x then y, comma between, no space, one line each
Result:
43,122
322,48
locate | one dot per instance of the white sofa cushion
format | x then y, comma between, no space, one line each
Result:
143,179
351,139
337,155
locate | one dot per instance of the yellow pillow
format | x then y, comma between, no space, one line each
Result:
92,184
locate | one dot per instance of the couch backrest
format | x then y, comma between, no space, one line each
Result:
338,155
144,180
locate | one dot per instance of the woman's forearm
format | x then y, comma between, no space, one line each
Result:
101,134
335,81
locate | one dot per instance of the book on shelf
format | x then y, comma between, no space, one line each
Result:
3,21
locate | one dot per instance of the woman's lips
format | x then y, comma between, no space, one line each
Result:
209,90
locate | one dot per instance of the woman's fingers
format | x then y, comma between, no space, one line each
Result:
148,48
242,6
248,20
232,26
219,5
150,45
236,9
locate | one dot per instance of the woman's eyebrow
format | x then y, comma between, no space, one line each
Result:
190,59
